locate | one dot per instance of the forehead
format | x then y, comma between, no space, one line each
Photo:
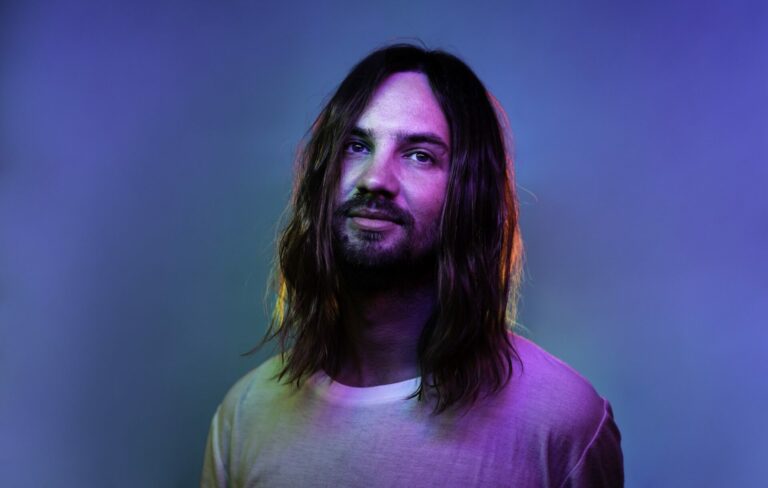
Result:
404,102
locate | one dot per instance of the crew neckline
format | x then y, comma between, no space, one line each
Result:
326,388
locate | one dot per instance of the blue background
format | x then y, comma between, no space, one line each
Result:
146,158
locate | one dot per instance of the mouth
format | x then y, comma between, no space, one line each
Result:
372,220
372,225
373,215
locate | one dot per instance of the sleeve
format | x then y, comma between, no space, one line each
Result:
215,469
601,465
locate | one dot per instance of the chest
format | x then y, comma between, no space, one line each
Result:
379,447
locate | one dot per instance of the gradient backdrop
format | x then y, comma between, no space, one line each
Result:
145,158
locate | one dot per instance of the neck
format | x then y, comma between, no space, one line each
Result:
382,329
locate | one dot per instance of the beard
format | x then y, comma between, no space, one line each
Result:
376,259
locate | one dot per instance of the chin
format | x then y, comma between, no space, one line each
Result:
375,258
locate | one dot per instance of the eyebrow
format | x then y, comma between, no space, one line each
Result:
405,137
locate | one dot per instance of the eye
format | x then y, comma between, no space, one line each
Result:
421,157
356,147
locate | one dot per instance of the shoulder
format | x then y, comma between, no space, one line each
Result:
258,386
247,415
550,398
565,413
552,386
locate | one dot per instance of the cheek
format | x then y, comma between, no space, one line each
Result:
431,196
345,186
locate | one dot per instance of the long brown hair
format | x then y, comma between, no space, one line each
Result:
465,349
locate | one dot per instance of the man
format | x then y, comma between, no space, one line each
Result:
397,277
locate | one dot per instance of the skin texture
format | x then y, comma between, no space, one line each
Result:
391,177
391,193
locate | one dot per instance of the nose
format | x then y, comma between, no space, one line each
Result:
379,176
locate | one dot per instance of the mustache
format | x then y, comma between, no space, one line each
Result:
383,206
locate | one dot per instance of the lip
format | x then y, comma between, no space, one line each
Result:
370,223
367,214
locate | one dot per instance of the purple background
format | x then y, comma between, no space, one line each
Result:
146,158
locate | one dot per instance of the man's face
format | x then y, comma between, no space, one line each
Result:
394,171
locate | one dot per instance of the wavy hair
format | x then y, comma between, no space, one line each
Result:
465,349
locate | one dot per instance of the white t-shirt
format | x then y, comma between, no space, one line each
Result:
547,427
